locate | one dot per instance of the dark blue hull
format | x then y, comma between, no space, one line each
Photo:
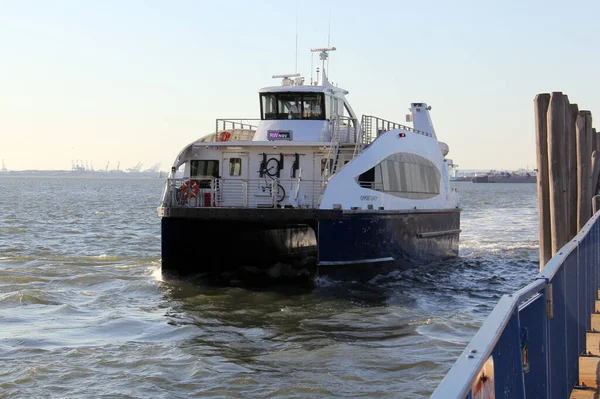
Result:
405,238
307,244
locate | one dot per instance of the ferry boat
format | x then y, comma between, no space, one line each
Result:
311,187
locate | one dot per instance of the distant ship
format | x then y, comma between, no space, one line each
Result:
481,179
521,176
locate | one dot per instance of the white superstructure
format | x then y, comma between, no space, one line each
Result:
308,150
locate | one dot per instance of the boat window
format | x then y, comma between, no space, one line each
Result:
406,175
269,106
371,178
204,169
292,105
289,106
312,106
235,166
367,178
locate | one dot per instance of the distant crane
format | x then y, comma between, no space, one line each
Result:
155,168
136,168
106,169
76,167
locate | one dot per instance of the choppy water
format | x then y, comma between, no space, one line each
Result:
84,311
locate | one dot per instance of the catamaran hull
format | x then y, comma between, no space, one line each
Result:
402,237
317,242
196,246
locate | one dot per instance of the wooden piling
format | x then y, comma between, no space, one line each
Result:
541,103
590,186
584,178
571,168
557,171
595,185
596,208
595,173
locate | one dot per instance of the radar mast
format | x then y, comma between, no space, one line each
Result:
323,56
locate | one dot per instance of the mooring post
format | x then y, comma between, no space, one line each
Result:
541,103
557,170
589,131
596,203
572,112
595,185
595,172
570,172
584,178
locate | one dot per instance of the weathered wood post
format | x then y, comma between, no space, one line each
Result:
557,170
568,161
590,149
596,203
570,170
595,174
595,185
541,103
584,179
572,112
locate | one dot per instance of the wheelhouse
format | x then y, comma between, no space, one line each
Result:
293,105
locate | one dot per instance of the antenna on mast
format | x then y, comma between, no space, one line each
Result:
312,58
329,30
324,56
296,66
329,34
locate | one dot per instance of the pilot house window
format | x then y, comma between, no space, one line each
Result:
292,105
235,166
204,169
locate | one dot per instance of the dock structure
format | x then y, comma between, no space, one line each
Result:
543,341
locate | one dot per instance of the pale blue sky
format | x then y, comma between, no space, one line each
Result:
135,81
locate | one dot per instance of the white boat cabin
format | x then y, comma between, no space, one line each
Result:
305,135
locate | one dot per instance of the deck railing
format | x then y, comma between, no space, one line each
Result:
245,193
372,127
529,346
240,123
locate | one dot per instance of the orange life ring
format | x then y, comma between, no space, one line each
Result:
224,136
190,189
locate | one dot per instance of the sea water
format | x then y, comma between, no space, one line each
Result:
85,312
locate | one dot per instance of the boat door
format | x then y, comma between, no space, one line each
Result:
234,179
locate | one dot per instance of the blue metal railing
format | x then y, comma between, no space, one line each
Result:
535,335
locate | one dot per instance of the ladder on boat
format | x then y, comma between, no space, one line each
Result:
340,153
365,131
